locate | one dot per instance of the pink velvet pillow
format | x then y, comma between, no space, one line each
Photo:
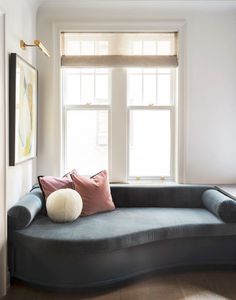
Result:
49,184
95,193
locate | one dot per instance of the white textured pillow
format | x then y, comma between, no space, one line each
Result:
64,205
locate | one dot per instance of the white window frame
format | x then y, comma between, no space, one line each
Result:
86,107
172,125
179,120
172,108
89,106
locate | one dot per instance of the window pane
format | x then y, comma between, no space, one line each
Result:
87,141
135,89
163,90
149,71
164,48
163,70
101,89
79,85
137,48
149,47
119,43
151,86
87,88
102,71
87,47
73,47
86,70
101,47
150,142
149,89
71,87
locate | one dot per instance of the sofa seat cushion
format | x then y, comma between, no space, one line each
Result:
122,228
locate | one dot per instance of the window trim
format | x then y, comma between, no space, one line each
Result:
147,26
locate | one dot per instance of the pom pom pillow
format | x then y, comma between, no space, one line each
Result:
64,205
95,193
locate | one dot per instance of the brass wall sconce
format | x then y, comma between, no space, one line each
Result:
37,44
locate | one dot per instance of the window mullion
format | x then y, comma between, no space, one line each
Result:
119,126
157,100
173,146
65,136
87,107
150,107
94,84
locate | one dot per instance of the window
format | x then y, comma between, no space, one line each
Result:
119,99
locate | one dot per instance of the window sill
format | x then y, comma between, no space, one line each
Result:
144,183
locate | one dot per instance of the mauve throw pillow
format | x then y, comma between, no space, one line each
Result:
50,184
95,193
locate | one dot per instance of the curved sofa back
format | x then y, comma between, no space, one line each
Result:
185,196
177,196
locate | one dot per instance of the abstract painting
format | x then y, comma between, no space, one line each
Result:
22,110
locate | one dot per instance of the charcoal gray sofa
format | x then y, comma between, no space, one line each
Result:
152,228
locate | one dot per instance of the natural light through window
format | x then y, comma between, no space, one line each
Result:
87,140
135,72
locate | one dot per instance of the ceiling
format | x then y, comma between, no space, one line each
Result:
163,3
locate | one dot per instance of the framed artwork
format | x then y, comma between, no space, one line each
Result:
23,102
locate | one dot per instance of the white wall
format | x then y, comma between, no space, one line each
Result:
211,105
2,160
210,89
20,23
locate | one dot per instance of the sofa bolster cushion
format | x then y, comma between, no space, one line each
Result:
23,212
220,205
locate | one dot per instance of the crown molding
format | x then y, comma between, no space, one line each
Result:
164,4
166,25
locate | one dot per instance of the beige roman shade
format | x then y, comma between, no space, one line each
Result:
119,61
119,50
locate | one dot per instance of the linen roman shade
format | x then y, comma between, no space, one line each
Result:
118,50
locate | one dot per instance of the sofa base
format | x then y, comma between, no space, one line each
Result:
71,272
117,282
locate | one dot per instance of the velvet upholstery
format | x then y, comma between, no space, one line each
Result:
95,193
25,210
72,270
152,228
186,196
50,184
220,205
122,228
